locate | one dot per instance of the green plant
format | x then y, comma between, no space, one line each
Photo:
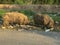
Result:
27,12
1,13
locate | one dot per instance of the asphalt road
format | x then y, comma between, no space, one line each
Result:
29,38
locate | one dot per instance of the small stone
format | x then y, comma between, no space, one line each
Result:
3,27
47,30
10,27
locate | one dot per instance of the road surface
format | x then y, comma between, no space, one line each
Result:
29,38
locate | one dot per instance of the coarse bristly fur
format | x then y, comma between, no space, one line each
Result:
11,18
44,20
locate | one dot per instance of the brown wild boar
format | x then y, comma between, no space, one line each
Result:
44,20
11,18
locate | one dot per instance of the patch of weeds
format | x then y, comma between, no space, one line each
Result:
27,12
2,12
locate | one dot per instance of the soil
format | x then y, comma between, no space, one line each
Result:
28,36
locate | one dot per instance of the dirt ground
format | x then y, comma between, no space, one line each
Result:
25,37
28,35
